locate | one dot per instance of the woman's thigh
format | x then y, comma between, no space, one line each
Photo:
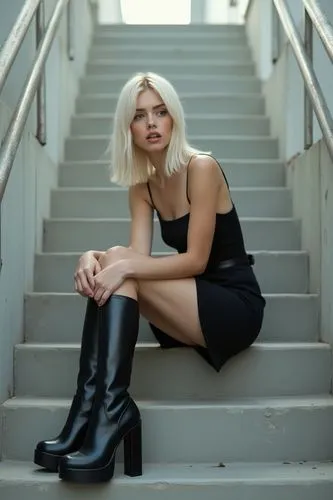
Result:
172,306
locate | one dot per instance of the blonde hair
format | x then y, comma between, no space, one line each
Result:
129,164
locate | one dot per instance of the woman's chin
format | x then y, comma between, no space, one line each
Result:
154,148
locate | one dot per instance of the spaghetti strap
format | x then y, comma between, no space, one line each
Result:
188,199
151,198
226,180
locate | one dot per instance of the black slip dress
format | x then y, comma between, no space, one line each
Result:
230,303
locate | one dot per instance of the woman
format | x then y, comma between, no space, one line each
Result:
206,296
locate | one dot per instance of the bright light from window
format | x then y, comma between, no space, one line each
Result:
156,11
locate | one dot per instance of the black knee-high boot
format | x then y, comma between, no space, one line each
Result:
48,453
115,416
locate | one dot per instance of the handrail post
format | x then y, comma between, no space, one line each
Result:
41,91
276,43
308,108
70,31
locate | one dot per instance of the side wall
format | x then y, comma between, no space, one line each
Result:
309,173
34,173
310,176
282,82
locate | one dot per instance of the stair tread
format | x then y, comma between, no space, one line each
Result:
305,296
278,402
188,116
251,138
218,78
278,189
154,345
192,474
237,161
115,95
78,220
255,252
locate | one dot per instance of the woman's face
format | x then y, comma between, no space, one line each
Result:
152,124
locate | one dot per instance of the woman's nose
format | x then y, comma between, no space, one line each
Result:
150,121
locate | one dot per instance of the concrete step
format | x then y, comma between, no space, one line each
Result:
168,67
242,104
113,84
172,51
269,369
79,235
150,35
288,318
101,124
240,173
288,429
119,41
277,272
103,202
233,147
231,481
172,29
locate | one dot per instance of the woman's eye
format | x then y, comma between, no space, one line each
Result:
163,112
138,117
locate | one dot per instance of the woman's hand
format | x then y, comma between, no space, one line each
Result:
108,281
87,267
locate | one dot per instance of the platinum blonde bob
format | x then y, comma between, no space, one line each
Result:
129,164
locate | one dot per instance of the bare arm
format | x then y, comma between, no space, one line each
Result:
142,220
205,183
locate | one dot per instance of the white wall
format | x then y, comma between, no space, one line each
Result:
219,11
34,173
310,176
309,173
109,11
202,11
259,32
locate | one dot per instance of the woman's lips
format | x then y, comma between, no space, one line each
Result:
154,139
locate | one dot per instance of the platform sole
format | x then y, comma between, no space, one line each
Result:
47,460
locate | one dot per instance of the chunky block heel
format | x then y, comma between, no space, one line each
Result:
133,452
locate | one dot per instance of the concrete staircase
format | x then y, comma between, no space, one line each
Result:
263,427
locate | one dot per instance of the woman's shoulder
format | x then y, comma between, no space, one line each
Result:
139,190
204,161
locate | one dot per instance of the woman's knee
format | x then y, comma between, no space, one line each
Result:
112,255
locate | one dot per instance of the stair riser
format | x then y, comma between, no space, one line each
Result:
172,434
242,104
169,490
182,29
287,319
147,36
103,204
173,53
268,371
115,83
81,235
176,37
83,149
169,69
276,274
220,126
239,174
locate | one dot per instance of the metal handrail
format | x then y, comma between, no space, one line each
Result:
15,129
15,39
322,25
311,82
